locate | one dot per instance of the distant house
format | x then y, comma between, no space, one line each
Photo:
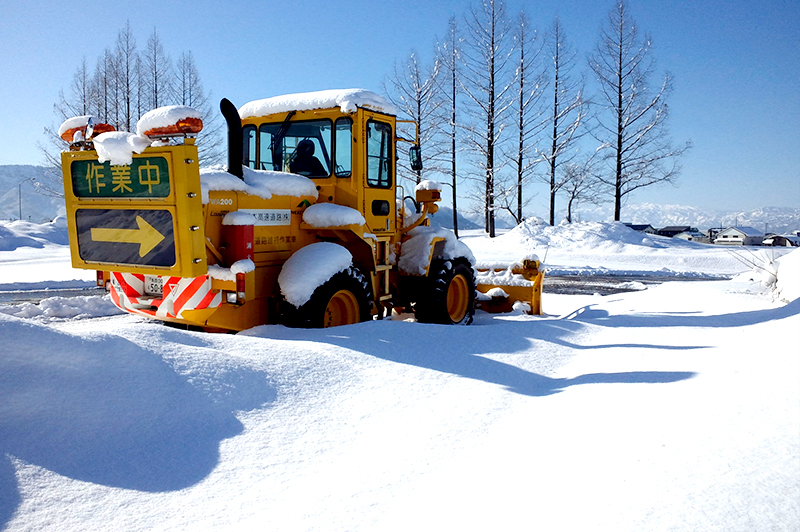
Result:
646,228
782,240
713,232
693,236
673,230
740,236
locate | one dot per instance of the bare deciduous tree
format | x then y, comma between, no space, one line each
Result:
568,112
158,75
125,80
450,59
581,183
486,83
412,88
188,90
529,84
633,130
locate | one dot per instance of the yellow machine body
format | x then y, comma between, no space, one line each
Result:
157,233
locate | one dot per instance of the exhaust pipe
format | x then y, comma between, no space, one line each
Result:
235,150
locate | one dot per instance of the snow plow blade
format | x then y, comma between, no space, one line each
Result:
501,289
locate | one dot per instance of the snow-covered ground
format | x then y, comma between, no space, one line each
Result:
36,256
671,408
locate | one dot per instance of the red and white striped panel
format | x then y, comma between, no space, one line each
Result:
179,294
187,293
126,289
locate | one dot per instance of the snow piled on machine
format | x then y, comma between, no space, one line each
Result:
348,100
416,250
427,184
73,123
117,147
229,274
239,218
163,117
309,268
332,215
261,183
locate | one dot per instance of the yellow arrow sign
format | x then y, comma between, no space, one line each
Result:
146,236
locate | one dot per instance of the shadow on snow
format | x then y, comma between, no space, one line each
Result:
467,353
107,412
601,317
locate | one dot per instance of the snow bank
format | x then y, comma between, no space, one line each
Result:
348,100
81,307
608,248
608,235
118,147
309,268
416,250
788,283
20,233
165,117
261,183
332,215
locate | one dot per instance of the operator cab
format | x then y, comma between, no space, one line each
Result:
343,140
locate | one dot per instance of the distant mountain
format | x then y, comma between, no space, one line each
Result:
16,180
767,219
444,218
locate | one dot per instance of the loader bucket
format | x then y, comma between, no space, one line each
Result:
500,288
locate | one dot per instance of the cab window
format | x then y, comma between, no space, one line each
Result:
250,148
343,142
379,154
302,147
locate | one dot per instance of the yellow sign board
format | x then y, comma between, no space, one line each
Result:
146,217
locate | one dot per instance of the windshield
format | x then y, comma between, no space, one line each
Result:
304,148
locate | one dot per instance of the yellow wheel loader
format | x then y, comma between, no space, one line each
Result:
307,226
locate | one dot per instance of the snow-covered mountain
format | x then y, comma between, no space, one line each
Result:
766,219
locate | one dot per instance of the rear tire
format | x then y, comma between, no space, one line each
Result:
341,300
448,295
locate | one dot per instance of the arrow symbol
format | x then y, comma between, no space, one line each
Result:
146,236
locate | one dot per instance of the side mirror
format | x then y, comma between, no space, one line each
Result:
415,157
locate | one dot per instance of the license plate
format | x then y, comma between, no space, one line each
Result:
153,285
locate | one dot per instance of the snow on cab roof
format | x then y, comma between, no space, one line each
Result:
346,99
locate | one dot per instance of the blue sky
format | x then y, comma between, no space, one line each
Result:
736,67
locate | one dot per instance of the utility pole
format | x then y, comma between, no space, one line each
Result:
19,193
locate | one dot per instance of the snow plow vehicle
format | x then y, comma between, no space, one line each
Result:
307,226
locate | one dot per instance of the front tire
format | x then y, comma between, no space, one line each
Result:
448,295
341,300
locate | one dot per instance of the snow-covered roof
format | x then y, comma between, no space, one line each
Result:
791,238
348,100
746,231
